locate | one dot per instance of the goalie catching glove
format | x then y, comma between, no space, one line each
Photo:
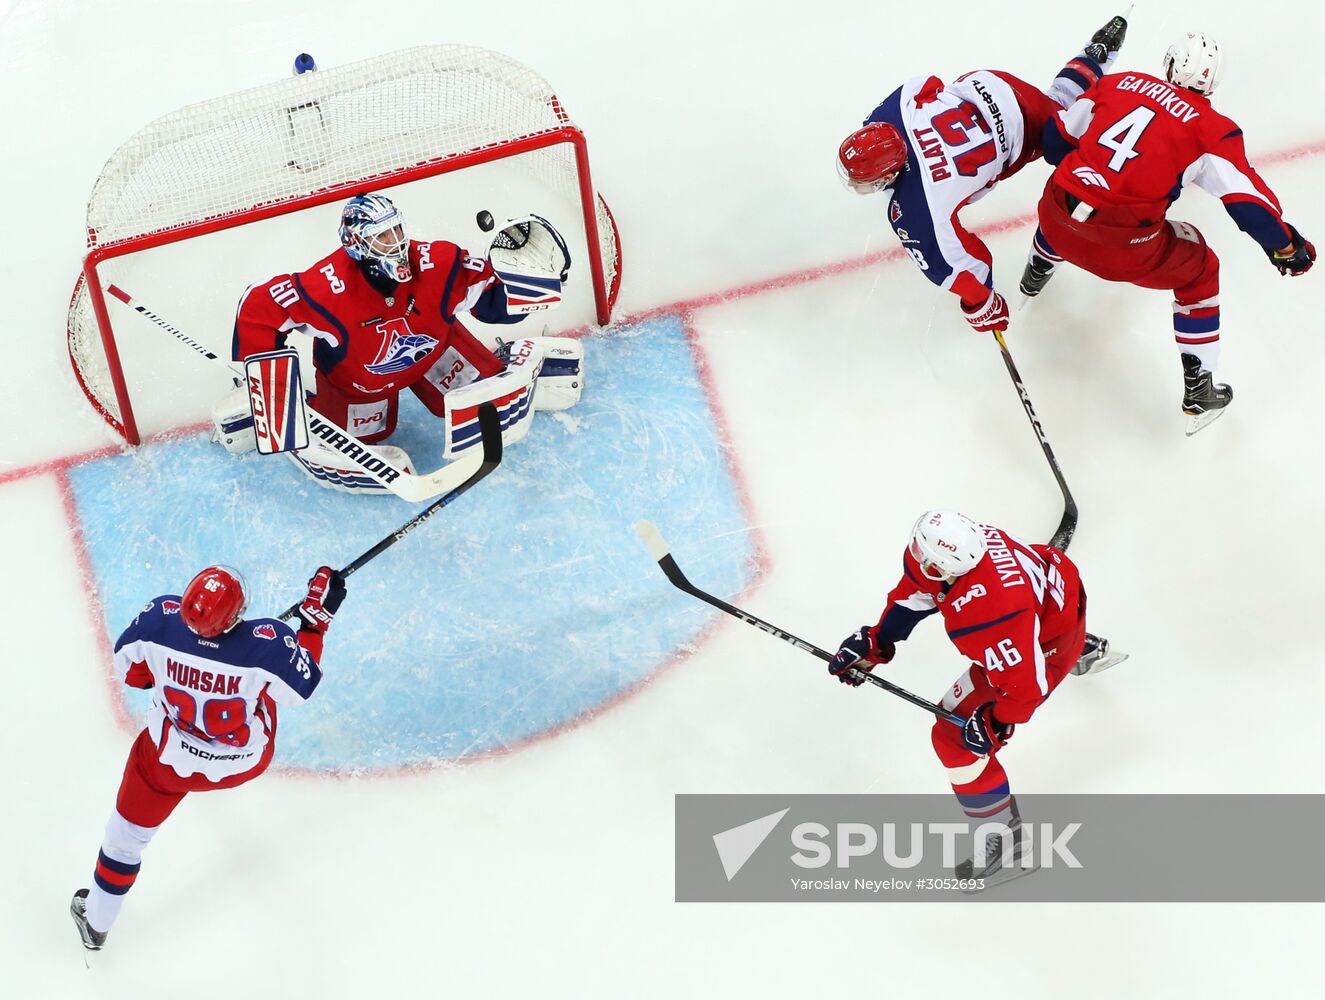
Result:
532,262
326,591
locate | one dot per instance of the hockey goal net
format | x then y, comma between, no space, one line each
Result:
312,140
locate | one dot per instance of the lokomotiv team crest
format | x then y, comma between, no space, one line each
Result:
401,348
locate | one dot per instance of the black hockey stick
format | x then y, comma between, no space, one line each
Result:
658,548
1067,527
489,422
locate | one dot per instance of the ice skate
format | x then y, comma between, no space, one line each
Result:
1036,276
995,870
1096,656
1108,40
1202,400
92,940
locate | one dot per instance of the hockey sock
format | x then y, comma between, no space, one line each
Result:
1042,253
1078,76
117,867
1196,330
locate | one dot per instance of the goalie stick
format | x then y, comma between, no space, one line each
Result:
406,485
1067,527
658,548
490,426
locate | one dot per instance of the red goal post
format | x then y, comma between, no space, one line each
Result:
314,139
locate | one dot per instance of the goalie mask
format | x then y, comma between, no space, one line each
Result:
372,230
214,601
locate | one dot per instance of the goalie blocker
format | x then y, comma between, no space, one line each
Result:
542,373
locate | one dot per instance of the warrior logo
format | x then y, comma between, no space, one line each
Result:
170,607
401,348
265,631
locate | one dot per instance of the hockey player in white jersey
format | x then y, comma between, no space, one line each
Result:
217,679
931,149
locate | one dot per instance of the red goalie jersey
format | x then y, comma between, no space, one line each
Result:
1018,616
369,343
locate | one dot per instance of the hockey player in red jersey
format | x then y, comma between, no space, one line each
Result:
1017,613
217,678
1124,153
931,149
385,313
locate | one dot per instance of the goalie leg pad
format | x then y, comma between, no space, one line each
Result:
329,470
511,392
232,422
276,395
561,377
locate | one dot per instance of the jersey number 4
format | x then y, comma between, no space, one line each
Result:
1123,135
223,719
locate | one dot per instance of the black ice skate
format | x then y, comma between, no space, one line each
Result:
1096,656
996,870
92,940
1036,276
1107,40
1202,400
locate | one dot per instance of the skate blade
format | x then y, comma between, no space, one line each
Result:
1103,663
1004,876
1201,420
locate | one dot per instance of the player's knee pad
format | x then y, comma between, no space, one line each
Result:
328,469
125,841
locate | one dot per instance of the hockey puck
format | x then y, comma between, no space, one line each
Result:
484,220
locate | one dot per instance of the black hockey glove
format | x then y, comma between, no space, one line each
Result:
326,591
983,734
861,650
1299,260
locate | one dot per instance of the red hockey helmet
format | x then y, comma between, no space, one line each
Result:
214,600
870,158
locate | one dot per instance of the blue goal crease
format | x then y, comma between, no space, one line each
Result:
527,604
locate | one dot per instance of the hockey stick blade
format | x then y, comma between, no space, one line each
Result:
489,421
661,552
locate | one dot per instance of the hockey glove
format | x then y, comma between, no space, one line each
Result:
861,650
983,734
326,591
1300,255
987,316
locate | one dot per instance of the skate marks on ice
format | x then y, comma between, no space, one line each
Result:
524,608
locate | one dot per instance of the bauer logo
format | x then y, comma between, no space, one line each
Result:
1060,848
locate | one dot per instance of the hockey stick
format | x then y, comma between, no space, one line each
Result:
403,484
490,425
1067,527
658,548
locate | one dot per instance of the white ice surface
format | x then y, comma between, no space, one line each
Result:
853,401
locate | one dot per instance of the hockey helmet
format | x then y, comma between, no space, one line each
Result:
946,544
214,601
1194,63
870,158
372,230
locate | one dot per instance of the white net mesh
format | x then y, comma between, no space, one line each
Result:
281,144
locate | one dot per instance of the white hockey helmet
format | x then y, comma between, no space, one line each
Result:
1194,62
946,544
